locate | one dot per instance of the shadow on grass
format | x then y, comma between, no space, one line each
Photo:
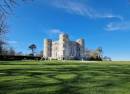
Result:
81,79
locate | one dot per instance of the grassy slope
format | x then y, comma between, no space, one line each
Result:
64,78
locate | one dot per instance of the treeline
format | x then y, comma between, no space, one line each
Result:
11,54
96,55
18,57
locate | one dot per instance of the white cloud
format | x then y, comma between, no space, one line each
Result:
12,42
55,31
115,26
82,9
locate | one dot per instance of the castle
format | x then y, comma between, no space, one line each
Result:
64,48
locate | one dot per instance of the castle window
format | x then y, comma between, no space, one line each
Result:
72,51
63,52
56,54
63,45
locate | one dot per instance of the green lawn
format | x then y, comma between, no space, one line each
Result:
57,77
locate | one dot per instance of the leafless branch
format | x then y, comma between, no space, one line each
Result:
6,7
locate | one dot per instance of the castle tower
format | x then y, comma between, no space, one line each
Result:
63,38
63,41
47,48
82,46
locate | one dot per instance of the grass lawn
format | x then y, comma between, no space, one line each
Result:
57,77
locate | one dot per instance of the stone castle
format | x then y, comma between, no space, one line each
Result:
64,48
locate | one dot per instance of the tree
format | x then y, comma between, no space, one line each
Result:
94,54
32,47
107,58
1,46
40,54
99,51
19,53
6,7
11,51
4,51
3,30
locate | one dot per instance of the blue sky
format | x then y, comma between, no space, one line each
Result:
102,23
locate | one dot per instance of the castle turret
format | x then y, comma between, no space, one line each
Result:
47,48
63,41
82,46
63,38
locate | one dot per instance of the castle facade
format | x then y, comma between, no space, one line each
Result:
64,48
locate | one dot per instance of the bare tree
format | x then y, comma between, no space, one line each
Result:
6,8
3,30
94,54
99,51
40,54
19,53
107,58
11,51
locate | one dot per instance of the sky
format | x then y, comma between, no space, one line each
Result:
102,23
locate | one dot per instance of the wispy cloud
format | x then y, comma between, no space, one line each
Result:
116,26
82,9
108,15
